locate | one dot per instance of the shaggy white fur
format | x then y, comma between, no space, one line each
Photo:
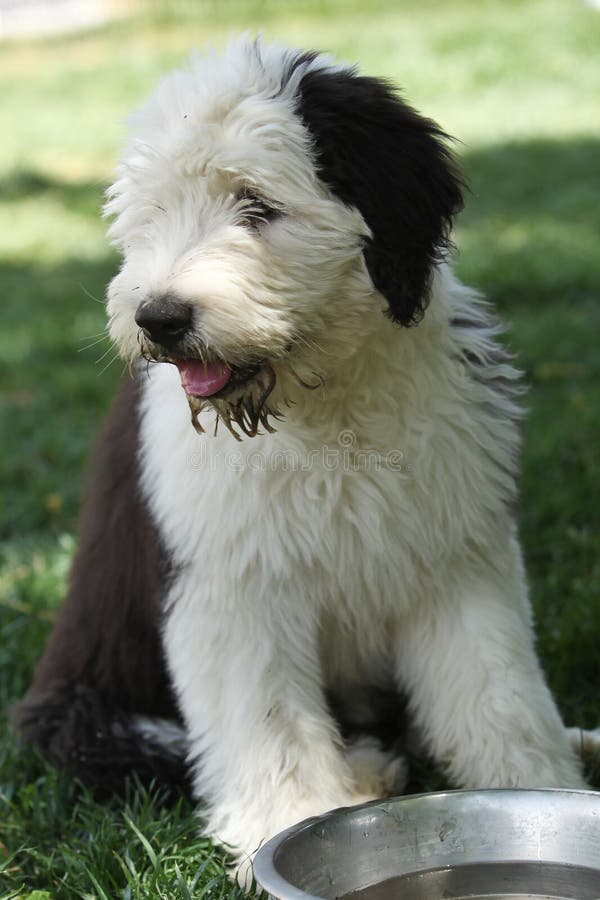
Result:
370,540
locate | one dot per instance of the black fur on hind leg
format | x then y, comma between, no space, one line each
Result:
103,669
101,745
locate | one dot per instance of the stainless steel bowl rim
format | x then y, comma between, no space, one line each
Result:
269,879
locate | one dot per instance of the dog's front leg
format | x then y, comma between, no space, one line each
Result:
265,750
467,658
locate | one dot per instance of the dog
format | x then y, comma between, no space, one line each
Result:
301,507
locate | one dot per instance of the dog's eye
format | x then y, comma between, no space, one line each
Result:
255,211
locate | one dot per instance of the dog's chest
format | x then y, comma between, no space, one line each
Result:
336,517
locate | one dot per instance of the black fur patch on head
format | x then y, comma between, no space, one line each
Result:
376,153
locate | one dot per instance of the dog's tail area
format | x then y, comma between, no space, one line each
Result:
101,704
103,746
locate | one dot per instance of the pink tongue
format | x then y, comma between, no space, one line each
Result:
201,380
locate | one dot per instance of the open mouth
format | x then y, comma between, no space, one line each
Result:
212,379
238,394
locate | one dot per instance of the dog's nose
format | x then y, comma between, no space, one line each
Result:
164,320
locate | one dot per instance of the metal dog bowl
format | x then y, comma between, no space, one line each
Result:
507,844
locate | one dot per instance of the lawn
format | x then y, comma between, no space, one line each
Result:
518,83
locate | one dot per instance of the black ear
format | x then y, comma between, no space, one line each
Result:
377,154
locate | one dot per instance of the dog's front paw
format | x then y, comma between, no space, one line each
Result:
245,834
376,772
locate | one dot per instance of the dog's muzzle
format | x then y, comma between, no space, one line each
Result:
167,324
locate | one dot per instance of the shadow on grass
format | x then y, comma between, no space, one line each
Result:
547,176
76,196
529,238
54,389
530,228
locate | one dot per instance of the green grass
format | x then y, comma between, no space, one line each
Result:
518,83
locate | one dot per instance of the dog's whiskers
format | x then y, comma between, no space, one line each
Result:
98,340
91,296
96,334
110,362
108,350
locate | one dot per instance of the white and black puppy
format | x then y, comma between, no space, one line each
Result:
284,224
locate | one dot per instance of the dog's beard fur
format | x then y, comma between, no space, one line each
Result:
252,408
248,407
248,411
